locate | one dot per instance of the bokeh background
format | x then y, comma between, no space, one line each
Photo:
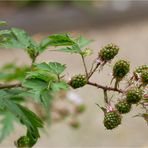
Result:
122,22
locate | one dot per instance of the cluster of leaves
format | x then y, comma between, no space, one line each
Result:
39,82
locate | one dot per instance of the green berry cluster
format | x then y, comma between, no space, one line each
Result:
123,107
78,81
112,119
108,52
23,141
120,69
144,77
134,95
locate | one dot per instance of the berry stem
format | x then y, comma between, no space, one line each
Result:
105,87
85,67
92,72
105,96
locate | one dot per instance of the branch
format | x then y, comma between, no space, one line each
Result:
92,72
85,67
3,86
105,87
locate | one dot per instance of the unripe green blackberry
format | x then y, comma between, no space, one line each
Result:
134,95
112,119
23,142
108,52
144,77
123,107
142,68
78,81
120,69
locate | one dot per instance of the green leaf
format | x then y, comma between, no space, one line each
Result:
76,48
39,74
46,99
27,117
60,85
18,38
56,67
42,66
73,49
60,40
10,72
7,125
35,84
15,94
52,67
81,41
34,119
21,36
56,40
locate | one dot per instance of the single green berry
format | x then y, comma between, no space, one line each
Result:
142,68
23,141
144,77
123,107
120,69
134,95
112,119
108,52
78,81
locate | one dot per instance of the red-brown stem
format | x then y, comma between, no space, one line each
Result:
105,87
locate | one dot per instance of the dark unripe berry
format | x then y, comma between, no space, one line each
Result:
123,107
23,142
144,77
78,81
134,95
112,119
108,52
120,69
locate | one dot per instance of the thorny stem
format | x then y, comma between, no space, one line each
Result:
105,87
85,67
3,86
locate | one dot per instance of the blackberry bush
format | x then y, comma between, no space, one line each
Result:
48,90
